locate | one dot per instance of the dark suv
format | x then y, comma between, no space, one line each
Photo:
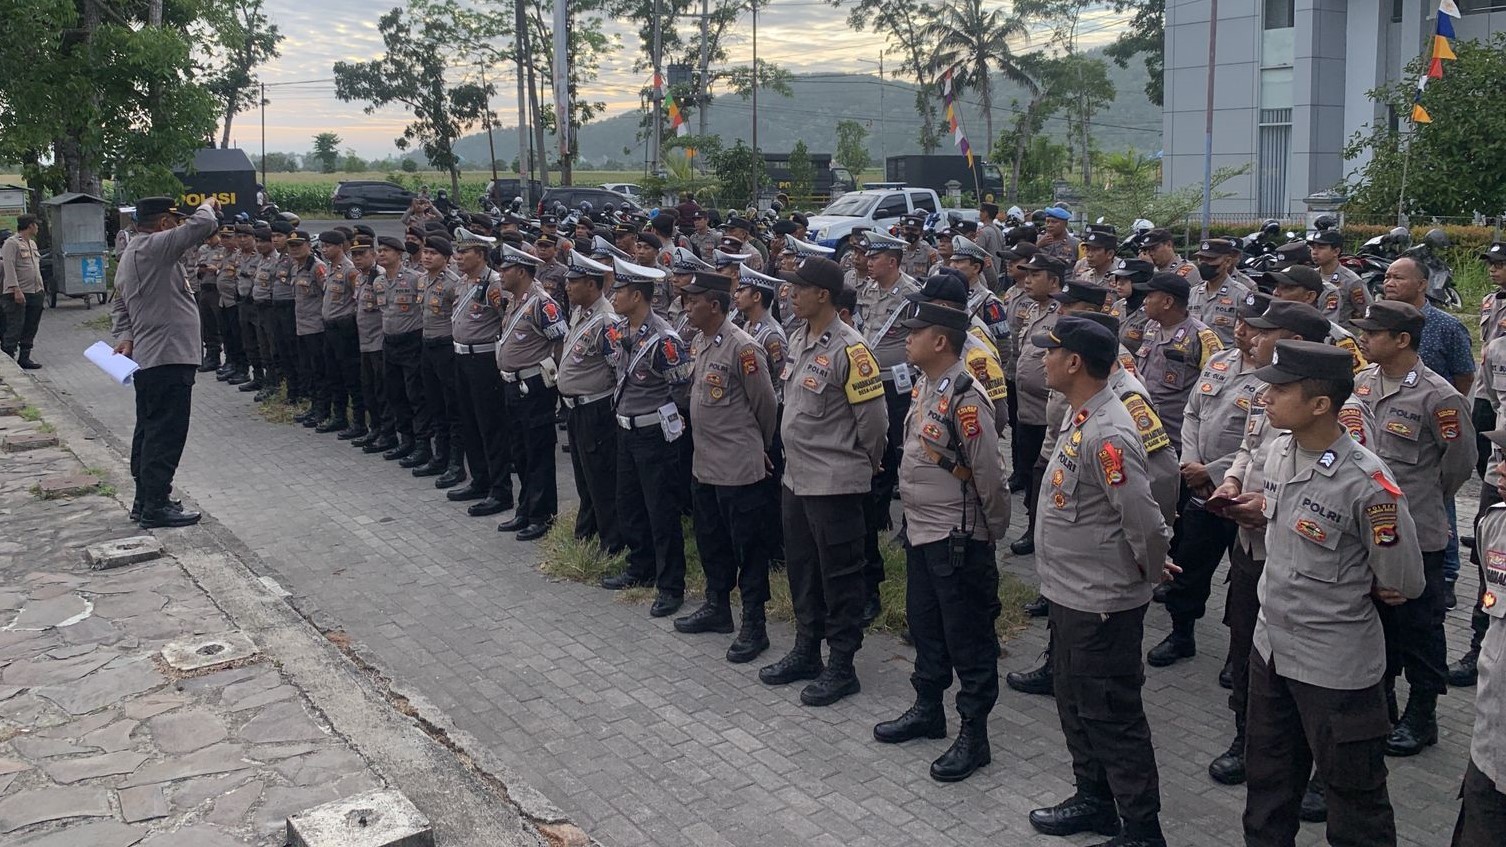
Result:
572,195
358,198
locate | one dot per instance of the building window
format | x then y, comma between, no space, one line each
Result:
1475,7
1397,8
1275,152
1280,14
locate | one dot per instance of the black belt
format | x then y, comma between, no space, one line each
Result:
331,323
446,341
402,336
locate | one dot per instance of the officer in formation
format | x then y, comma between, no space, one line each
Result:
342,342
1099,246
1175,349
1216,300
1037,314
1158,247
1353,296
1482,814
1129,279
207,293
1302,284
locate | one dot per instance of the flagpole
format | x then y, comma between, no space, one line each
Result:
1401,196
949,101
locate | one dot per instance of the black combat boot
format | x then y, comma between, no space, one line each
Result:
211,363
1038,681
715,615
752,639
1180,644
252,384
419,457
968,753
435,466
1038,608
240,375
1418,727
352,432
872,607
162,514
925,719
1229,769
1138,834
1078,813
838,680
1226,676
331,424
802,662
404,448
454,473
1463,673
25,360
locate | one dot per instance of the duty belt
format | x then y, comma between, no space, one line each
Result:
585,399
466,349
637,421
519,376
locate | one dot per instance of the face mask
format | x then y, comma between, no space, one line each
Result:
1208,271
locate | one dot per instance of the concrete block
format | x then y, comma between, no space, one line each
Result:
11,406
373,819
67,485
23,441
122,552
209,651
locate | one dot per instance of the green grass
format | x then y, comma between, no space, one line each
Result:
46,427
30,413
98,323
278,410
569,559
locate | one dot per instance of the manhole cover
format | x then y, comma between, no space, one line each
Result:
209,651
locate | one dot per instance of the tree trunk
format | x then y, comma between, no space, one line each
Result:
1020,139
225,134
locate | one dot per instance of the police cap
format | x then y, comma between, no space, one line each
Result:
1294,361
1296,317
935,314
1393,315
1077,334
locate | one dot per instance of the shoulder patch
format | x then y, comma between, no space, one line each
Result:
1448,423
1185,269
748,359
863,380
967,418
1152,432
1112,463
1382,518
1353,422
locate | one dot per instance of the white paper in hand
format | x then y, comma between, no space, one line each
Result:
120,368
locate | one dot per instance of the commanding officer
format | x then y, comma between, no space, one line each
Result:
956,508
652,363
1057,241
1129,277
1354,297
155,321
381,425
917,256
1039,314
1426,439
1177,347
342,340
1099,247
207,293
526,357
307,278
586,381
284,318
1101,545
1483,812
439,293
970,260
1158,248
1339,533
238,246
401,295
1215,301
1303,285
732,403
255,290
833,431
475,324
23,291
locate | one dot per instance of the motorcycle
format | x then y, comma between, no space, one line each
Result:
1376,255
1373,257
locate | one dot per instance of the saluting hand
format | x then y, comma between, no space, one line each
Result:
212,202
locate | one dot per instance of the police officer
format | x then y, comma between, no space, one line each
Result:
683,266
400,292
753,297
475,325
834,425
979,357
1157,246
526,355
917,256
1101,543
552,271
1057,241
439,292
586,381
1176,348
284,320
1482,815
381,424
155,320
740,229
1047,274
1339,531
307,277
1353,296
1099,247
991,238
1303,285
23,291
956,507
970,260
1492,323
1426,439
735,412
1129,278
342,339
1215,301
238,246
255,289
207,272
651,363
703,239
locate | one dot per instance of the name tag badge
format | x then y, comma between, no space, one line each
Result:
902,381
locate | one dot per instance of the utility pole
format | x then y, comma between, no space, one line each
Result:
1208,122
656,92
486,122
561,85
703,96
263,134
757,156
525,170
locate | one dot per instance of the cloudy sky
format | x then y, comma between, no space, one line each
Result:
801,35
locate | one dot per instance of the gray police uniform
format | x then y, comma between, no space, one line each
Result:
1483,812
1218,309
1132,324
1353,297
525,356
342,342
306,279
401,296
585,384
881,309
285,326
229,308
373,357
436,364
1169,362
475,324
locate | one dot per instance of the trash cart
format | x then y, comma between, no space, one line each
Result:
78,253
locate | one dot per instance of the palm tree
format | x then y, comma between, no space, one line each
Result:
975,42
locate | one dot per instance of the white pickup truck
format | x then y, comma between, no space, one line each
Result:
877,206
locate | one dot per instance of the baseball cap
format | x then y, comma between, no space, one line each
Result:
1077,334
1294,361
818,272
1170,283
1328,238
1296,317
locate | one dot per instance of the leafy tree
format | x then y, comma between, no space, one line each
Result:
327,151
277,163
1131,192
735,168
974,42
246,38
409,166
352,164
852,149
900,23
413,74
1144,36
1442,160
802,172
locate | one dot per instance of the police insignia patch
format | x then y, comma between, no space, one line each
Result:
1448,423
717,393
1112,463
943,404
1059,500
1362,390
1328,458
967,416
1310,529
1399,428
863,382
1219,365
749,361
1058,477
931,431
823,360
1382,517
1353,420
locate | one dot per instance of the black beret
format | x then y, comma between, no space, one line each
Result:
441,245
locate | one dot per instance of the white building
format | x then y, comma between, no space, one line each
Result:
1289,88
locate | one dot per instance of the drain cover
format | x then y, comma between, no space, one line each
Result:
373,819
209,651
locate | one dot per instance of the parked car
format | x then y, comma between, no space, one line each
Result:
628,188
877,206
572,195
360,197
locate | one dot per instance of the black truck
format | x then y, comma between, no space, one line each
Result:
934,172
776,175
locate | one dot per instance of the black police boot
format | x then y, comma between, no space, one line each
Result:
404,449
305,416
540,528
715,615
254,383
363,440
623,581
470,492
25,360
1180,644
136,506
1039,607
267,392
838,680
1229,769
351,432
1418,727
164,515
1137,834
1226,676
968,753
435,466
802,662
1314,808
331,424
1078,813
420,456
752,639
224,371
872,607
454,473
1023,546
665,604
1463,673
240,376
1038,681
1158,594
210,363
925,719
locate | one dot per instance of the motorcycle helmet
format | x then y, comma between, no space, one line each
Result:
1015,216
1142,226
1271,227
1325,223
1436,239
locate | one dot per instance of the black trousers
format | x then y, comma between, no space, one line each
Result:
315,380
342,368
401,355
1414,634
730,534
209,318
230,334
1482,814
1241,609
1095,661
1030,438
1012,403
1292,726
1479,622
21,321
483,423
1204,539
649,506
285,347
531,432
374,392
823,554
164,398
876,509
437,367
266,343
951,611
592,429
1483,416
249,314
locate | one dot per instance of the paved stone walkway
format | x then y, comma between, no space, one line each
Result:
642,735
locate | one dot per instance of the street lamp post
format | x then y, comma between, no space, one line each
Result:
883,149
